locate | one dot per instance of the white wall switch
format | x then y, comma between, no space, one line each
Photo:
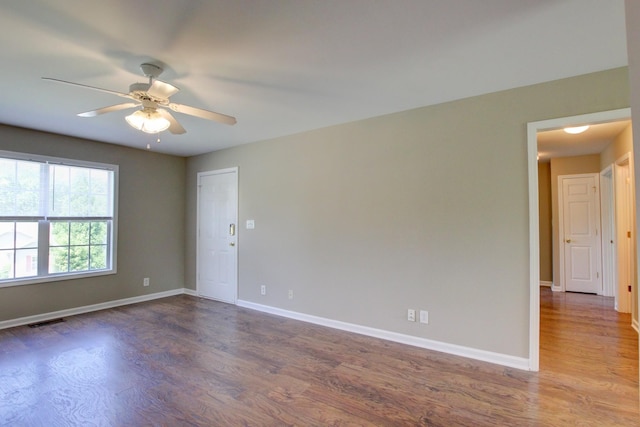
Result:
251,224
424,316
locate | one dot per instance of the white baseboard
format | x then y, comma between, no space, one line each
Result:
89,308
634,325
472,353
545,283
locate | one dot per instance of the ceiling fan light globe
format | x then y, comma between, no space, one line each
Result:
149,121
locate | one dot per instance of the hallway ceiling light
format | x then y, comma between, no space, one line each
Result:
576,130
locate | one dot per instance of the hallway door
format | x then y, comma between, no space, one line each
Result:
580,225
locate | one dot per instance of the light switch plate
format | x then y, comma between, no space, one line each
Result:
251,224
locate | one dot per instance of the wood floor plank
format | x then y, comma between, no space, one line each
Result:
184,361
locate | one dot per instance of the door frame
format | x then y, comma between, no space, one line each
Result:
607,218
198,219
624,217
561,252
534,231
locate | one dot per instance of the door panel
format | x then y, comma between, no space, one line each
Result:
217,250
581,238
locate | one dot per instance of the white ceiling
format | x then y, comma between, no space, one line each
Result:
286,66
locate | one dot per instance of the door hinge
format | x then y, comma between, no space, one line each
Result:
628,234
629,288
597,274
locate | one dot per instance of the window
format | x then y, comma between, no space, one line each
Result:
57,218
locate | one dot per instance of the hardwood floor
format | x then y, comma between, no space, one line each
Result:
186,361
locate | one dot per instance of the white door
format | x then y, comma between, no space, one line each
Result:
580,233
217,252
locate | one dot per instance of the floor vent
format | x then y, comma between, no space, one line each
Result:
46,322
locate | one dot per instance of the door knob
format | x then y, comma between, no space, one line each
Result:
232,244
568,240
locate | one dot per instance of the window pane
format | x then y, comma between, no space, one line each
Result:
79,258
19,184
98,257
59,233
99,232
7,172
58,260
18,249
27,203
59,190
100,181
100,205
7,236
79,233
26,235
7,200
6,264
26,263
80,192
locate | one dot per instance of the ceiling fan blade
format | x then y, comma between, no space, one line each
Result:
109,109
160,89
203,114
174,127
113,92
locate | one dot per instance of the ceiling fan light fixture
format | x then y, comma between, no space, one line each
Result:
148,120
576,129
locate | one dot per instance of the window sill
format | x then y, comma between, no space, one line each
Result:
55,278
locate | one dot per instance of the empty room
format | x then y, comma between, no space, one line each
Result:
310,213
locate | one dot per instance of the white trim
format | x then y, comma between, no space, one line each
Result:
458,350
546,283
43,215
89,308
534,233
190,292
534,249
634,325
608,227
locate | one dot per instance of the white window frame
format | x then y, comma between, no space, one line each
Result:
114,221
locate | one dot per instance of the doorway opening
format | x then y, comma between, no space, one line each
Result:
534,154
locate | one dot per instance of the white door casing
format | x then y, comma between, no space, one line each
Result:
579,224
217,250
534,233
625,232
607,204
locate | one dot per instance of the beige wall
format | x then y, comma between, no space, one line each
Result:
566,166
424,209
620,146
632,11
544,207
150,226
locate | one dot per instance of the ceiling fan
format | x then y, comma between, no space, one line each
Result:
153,97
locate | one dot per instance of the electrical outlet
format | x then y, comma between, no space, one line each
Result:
411,315
424,316
290,293
145,281
263,290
